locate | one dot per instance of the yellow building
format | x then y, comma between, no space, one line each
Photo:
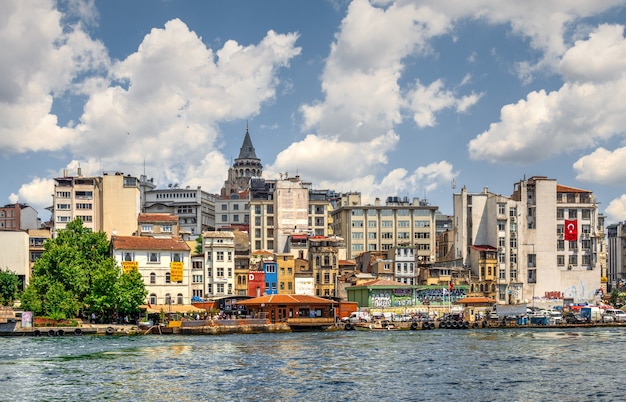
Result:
286,273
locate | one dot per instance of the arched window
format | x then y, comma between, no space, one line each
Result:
179,298
152,278
153,299
168,298
493,288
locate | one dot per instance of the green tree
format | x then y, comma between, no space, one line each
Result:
131,292
77,272
9,286
198,249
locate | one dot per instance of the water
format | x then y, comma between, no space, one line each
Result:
579,364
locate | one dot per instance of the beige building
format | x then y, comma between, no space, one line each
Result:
107,204
14,252
283,208
382,227
536,257
286,273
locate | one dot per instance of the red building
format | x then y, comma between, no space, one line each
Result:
256,283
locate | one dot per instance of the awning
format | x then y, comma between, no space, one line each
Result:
171,308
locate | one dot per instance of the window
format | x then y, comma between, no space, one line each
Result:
59,206
371,235
154,257
176,257
371,224
502,273
357,212
560,245
270,268
146,228
501,209
220,288
167,278
224,207
166,228
560,260
196,278
168,298
230,272
357,247
220,272
152,278
153,299
230,256
63,194
224,218
386,224
573,259
560,213
357,235
532,260
404,235
63,218
219,256
83,206
179,298
357,224
128,256
501,226
572,213
387,235
532,276
586,214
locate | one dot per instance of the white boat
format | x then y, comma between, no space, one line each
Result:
382,325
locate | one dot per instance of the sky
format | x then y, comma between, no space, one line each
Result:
388,98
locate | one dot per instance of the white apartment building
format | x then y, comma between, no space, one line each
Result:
534,258
219,258
163,262
232,211
616,250
382,227
405,264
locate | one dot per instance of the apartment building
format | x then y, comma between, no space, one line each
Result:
14,251
382,227
281,209
219,259
324,264
163,262
109,203
616,251
194,208
545,241
18,217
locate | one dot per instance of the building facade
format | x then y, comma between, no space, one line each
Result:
18,217
382,227
219,258
245,167
547,240
163,262
616,251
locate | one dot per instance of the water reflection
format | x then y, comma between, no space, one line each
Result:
497,364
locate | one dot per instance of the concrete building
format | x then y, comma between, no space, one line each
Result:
233,211
405,264
18,217
616,250
194,208
545,241
107,204
14,253
280,209
219,259
286,273
382,227
324,263
163,262
157,225
36,240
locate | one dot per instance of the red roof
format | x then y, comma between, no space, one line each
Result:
157,218
566,189
286,299
173,243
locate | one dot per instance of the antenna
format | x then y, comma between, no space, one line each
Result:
453,183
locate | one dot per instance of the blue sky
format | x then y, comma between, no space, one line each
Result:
387,98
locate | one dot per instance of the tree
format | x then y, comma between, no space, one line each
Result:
77,272
9,286
198,249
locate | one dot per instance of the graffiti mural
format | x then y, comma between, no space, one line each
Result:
439,295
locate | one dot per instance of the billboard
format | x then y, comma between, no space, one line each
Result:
128,266
176,271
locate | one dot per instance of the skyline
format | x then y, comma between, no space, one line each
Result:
404,98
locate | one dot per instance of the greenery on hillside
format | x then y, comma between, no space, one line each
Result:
77,274
9,286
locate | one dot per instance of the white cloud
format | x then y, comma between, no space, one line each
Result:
41,58
616,210
581,114
602,166
37,194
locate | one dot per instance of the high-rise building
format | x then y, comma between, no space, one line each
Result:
545,241
616,250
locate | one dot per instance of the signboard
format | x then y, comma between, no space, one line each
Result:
176,271
128,266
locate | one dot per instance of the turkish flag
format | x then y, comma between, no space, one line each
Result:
451,286
571,230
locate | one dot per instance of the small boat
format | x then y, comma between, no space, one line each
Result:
383,325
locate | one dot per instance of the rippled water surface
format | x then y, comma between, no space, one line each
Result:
475,365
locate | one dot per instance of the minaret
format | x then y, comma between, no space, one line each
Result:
245,167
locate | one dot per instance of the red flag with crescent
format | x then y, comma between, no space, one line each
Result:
571,230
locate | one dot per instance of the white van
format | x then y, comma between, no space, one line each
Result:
618,315
358,316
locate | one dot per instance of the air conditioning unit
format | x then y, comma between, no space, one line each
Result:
513,235
500,249
560,236
513,219
432,259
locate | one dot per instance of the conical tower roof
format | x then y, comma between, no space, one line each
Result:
247,149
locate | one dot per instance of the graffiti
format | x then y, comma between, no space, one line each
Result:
402,292
440,295
579,293
553,295
381,300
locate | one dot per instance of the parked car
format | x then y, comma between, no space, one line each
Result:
555,317
357,316
618,315
607,317
574,318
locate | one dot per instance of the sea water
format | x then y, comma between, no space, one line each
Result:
573,364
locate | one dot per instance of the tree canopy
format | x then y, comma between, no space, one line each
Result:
9,285
76,272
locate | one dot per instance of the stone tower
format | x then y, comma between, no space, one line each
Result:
245,167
